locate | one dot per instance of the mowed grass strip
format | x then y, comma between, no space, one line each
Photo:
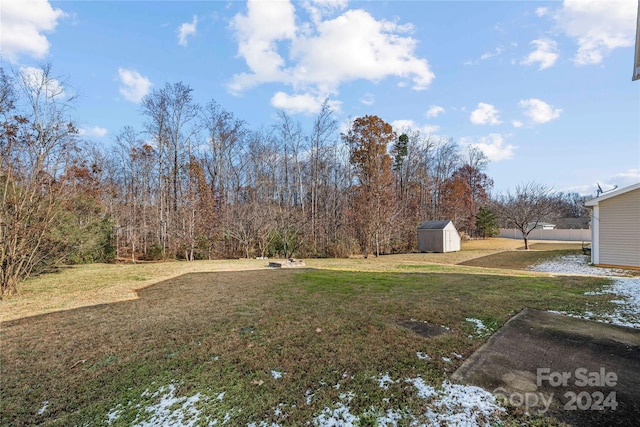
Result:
518,260
273,345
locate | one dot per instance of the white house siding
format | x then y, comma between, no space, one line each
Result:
619,230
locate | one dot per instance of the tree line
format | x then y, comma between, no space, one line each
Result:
195,182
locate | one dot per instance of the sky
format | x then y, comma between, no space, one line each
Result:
543,88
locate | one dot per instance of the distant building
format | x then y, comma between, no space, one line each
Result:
540,226
615,227
573,223
438,236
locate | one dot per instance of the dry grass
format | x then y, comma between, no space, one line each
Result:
329,332
87,285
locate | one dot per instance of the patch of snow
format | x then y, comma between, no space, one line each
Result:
628,312
575,264
308,396
114,414
390,418
276,374
457,355
263,424
220,396
384,381
340,416
425,391
481,329
43,408
463,406
422,356
446,359
172,410
348,396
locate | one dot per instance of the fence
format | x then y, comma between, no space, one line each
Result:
572,235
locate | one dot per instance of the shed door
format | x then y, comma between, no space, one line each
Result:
448,240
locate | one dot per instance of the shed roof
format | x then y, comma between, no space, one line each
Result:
608,195
433,225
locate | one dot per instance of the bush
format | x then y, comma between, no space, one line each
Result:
155,252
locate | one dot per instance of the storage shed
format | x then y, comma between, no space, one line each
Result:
615,228
438,236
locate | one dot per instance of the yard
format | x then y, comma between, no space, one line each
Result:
234,343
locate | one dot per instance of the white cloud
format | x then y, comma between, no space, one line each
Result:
23,24
617,181
517,124
258,32
303,103
96,131
494,147
542,11
539,111
133,86
498,51
35,79
545,53
632,175
598,26
485,114
434,110
319,56
487,55
187,29
368,99
321,8
410,125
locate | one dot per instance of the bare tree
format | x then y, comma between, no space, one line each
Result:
37,142
170,112
526,207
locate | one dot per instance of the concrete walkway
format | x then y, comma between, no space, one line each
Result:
581,372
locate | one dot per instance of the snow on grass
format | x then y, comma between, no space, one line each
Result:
276,374
423,356
628,288
340,415
451,405
43,408
167,409
481,329
390,418
425,391
171,410
461,405
308,396
575,264
384,381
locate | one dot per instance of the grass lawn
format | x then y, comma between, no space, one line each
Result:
268,347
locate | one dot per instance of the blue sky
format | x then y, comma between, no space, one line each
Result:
544,88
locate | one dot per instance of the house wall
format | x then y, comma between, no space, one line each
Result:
619,230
